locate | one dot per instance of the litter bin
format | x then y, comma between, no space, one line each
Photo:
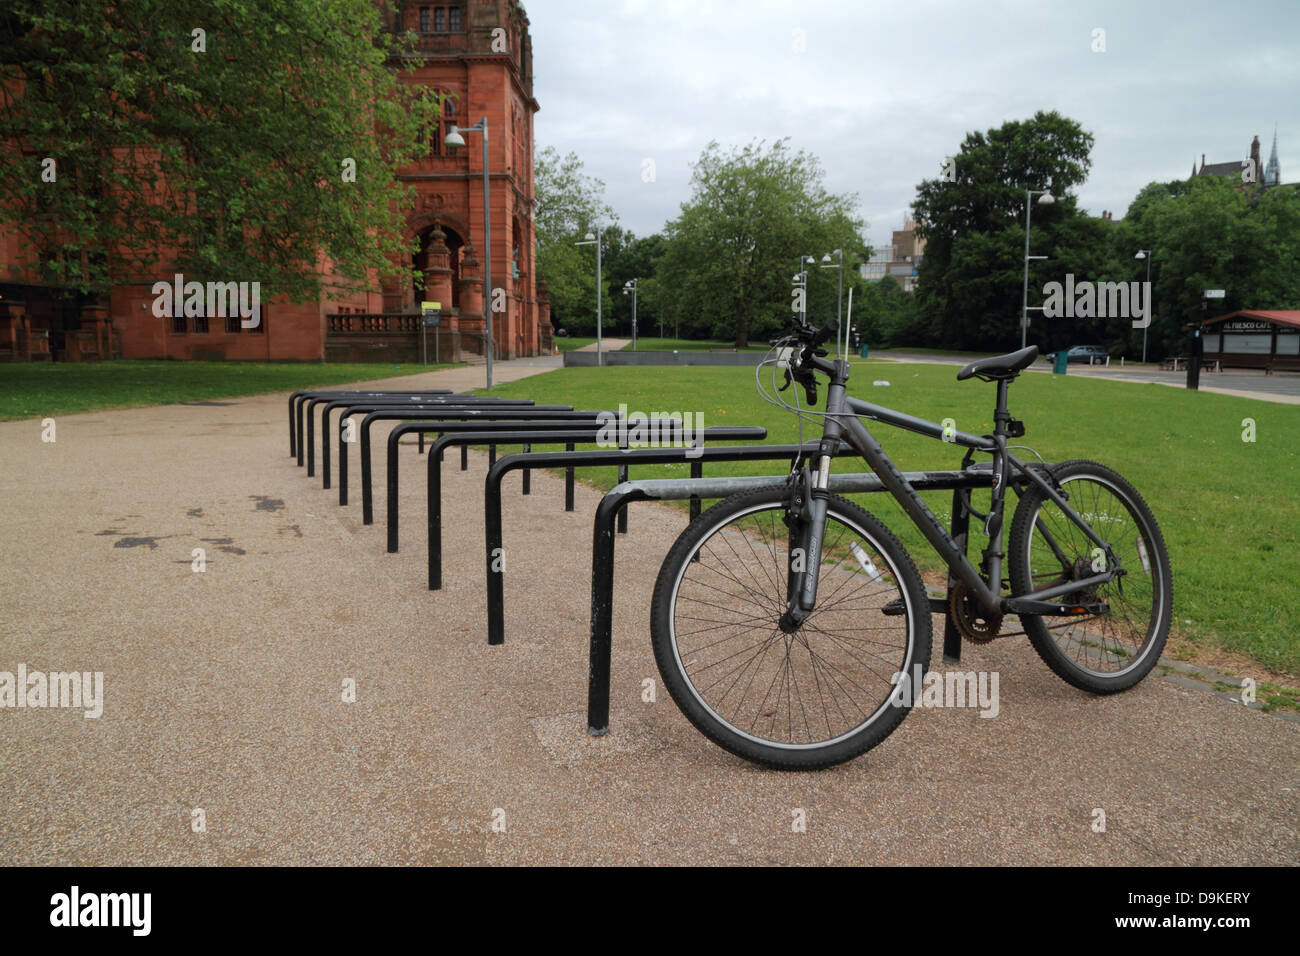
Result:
862,353
1062,362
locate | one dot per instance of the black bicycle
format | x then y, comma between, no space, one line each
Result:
786,621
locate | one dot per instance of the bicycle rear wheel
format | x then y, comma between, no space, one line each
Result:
821,695
1113,651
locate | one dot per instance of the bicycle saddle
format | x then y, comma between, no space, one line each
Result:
1000,366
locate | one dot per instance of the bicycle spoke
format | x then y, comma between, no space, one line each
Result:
817,684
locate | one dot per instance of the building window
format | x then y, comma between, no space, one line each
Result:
200,324
260,328
232,324
1259,343
178,324
446,120
442,19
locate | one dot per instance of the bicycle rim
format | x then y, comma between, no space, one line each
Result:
831,679
1111,644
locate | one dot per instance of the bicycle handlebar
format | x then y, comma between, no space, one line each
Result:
805,360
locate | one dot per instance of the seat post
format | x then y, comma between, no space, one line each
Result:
1000,414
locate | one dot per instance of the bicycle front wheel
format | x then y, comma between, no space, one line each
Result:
816,697
1112,651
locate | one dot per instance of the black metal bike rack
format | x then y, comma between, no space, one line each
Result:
619,497
465,420
557,413
596,459
570,437
296,399
331,403
347,403
490,433
456,428
432,413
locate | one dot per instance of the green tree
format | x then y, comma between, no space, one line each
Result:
631,258
569,203
1213,233
732,252
257,148
884,314
969,285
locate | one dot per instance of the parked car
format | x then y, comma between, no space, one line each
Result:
1088,354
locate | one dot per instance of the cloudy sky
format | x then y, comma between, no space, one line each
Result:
882,92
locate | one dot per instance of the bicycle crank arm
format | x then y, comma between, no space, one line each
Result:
1048,609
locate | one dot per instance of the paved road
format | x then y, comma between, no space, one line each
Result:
1280,387
223,692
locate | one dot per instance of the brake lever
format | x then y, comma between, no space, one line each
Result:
788,380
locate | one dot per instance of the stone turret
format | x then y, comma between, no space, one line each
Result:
471,284
437,267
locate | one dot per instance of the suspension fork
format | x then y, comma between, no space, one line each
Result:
811,499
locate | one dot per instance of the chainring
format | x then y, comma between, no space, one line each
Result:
971,620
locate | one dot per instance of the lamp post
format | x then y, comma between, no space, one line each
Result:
1148,255
1045,199
630,287
593,238
839,301
454,139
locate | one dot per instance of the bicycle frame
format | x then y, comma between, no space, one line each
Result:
843,425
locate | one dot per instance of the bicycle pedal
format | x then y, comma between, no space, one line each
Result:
894,608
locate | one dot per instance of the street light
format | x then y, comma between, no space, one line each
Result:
1148,255
839,302
593,238
630,286
1045,199
454,139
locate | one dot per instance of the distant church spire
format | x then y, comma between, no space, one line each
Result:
1273,171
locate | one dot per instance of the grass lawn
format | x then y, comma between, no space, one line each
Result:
33,390
1229,509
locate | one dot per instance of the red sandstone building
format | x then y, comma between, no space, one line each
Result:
479,54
